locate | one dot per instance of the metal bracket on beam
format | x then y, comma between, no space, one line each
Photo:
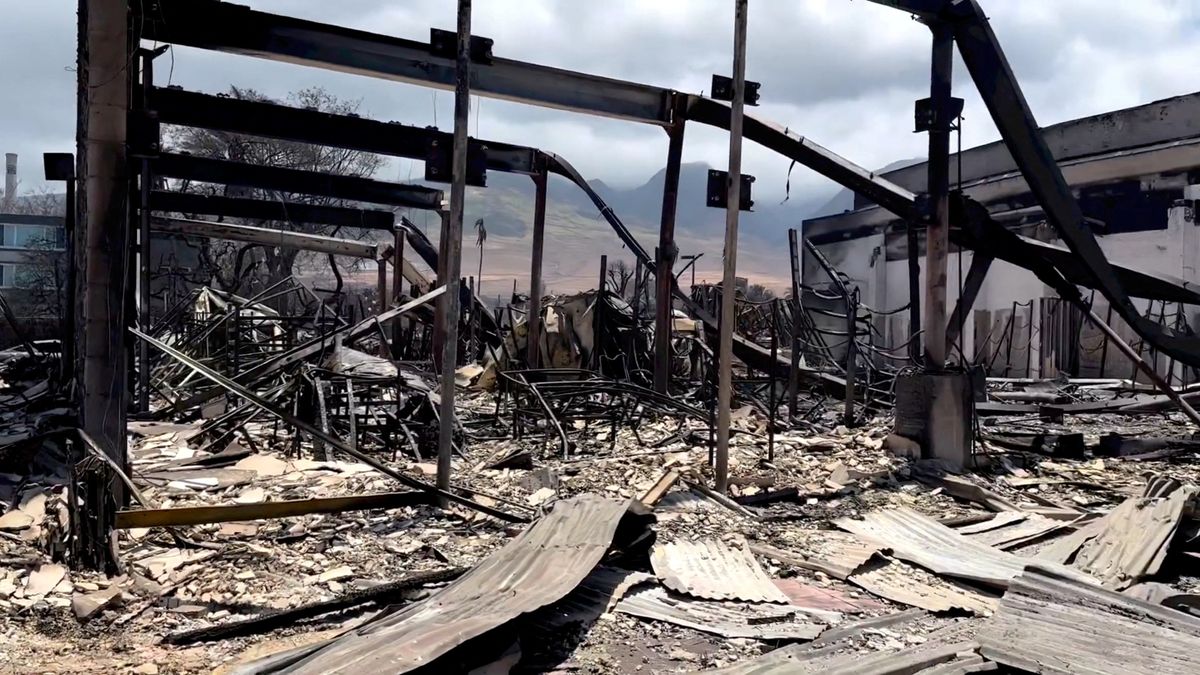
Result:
718,195
927,117
722,89
443,43
438,161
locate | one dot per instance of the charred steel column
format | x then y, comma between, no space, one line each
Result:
728,280
143,257
667,251
382,292
452,236
104,78
937,235
534,320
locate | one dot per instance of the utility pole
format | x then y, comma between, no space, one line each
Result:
452,242
102,247
728,281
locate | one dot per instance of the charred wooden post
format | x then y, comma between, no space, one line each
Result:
452,236
729,278
937,234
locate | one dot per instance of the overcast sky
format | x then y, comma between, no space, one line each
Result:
843,72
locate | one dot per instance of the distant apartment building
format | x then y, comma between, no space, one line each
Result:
27,245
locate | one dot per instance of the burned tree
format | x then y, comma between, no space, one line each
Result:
241,267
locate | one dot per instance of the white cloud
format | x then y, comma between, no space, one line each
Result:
843,73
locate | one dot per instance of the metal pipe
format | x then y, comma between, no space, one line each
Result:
771,378
729,278
1140,363
597,319
797,310
914,292
851,357
452,237
382,292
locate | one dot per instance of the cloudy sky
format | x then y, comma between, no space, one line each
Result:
843,72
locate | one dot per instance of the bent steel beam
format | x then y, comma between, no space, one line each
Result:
997,85
221,26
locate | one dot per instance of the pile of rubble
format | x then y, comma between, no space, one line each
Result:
835,556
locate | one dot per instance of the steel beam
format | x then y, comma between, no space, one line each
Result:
260,209
267,236
980,263
282,179
203,515
222,26
273,120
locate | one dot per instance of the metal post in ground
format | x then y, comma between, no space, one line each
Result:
534,321
729,276
452,238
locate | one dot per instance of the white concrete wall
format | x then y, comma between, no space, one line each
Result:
883,285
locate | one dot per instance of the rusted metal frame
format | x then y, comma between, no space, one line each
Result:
202,515
328,439
667,250
452,245
397,286
980,263
533,321
728,279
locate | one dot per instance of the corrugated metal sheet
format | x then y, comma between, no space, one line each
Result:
835,553
793,660
1133,541
921,540
595,596
908,585
713,570
828,599
1048,624
729,619
537,568
1015,530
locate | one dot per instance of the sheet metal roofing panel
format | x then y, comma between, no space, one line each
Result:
921,540
793,660
1134,539
537,568
759,621
903,583
1016,531
713,570
1049,624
